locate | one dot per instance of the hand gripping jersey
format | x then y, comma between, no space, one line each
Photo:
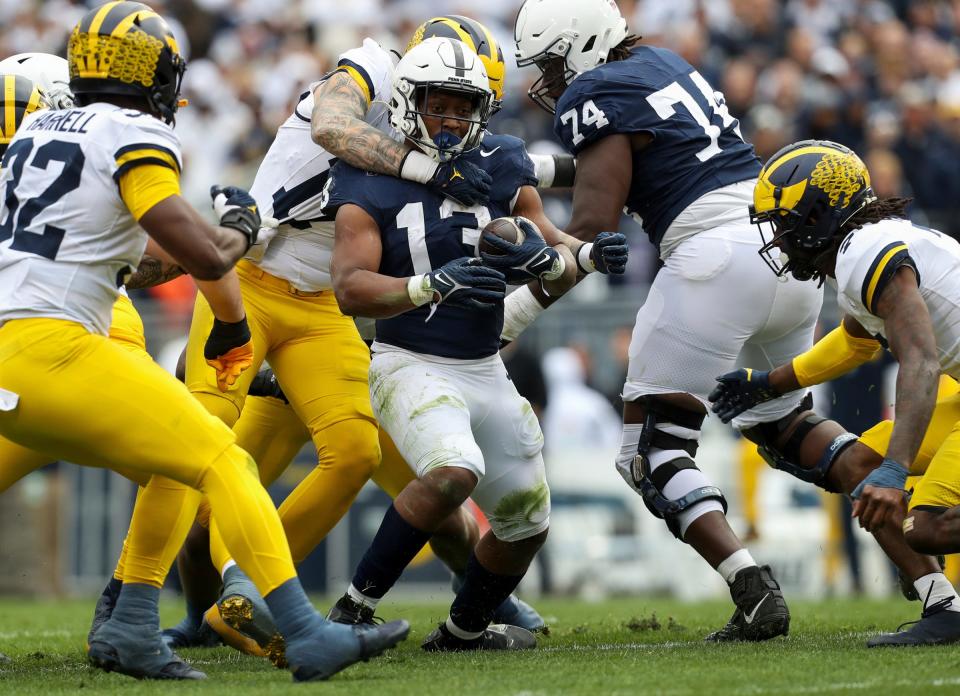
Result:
292,175
421,230
696,148
67,239
868,259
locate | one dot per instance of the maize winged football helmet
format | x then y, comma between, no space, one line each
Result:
20,96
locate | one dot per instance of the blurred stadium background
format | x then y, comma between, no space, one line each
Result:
882,76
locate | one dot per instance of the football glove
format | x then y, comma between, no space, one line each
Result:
521,263
236,208
610,252
229,351
739,391
462,181
266,384
465,282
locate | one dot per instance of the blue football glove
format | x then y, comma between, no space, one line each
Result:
739,391
610,252
889,474
521,263
462,181
468,283
236,208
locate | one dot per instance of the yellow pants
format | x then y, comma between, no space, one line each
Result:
938,461
322,364
83,398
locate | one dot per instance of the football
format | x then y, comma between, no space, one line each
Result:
506,228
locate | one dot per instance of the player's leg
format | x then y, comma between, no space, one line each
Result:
109,420
421,406
516,500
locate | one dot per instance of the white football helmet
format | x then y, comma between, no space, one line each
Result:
580,32
439,64
49,72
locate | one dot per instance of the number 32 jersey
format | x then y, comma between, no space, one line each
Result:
67,239
696,148
420,230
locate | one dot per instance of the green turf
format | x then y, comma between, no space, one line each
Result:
630,646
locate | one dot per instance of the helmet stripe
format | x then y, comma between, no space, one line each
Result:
124,24
460,68
9,106
94,29
468,26
34,102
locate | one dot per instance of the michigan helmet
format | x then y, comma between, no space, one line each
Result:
447,65
804,196
477,37
21,96
126,49
49,72
565,38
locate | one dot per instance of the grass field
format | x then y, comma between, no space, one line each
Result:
628,646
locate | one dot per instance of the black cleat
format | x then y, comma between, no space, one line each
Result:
936,626
349,611
907,589
495,637
332,647
761,612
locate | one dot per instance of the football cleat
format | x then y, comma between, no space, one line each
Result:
494,637
243,621
330,647
349,611
761,611
513,611
137,651
188,634
907,589
936,626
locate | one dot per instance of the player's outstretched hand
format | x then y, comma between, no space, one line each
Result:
610,253
229,351
739,391
462,181
467,282
236,208
520,263
880,495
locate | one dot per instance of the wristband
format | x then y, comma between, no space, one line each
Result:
419,290
544,168
418,167
584,262
520,308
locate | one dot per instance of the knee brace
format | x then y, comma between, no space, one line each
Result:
668,442
766,436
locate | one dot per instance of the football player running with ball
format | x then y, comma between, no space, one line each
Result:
84,188
653,137
898,287
405,255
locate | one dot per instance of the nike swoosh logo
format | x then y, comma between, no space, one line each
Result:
487,154
749,617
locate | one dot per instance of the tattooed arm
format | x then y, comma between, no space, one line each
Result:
337,125
156,268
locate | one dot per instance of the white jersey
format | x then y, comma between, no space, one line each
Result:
291,177
869,257
67,239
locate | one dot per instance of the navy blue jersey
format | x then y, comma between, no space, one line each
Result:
422,230
696,148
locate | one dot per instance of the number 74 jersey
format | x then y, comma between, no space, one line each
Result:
67,238
696,147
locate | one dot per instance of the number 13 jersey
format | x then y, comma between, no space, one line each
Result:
67,238
696,147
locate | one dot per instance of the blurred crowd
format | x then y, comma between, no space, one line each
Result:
882,76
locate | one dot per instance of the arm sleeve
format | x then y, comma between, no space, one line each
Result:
141,188
833,355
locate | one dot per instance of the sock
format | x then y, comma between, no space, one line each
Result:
232,573
360,598
396,543
734,563
934,588
292,611
482,592
138,604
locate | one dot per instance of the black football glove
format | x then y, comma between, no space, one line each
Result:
610,252
521,263
462,181
236,208
266,384
468,283
739,391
